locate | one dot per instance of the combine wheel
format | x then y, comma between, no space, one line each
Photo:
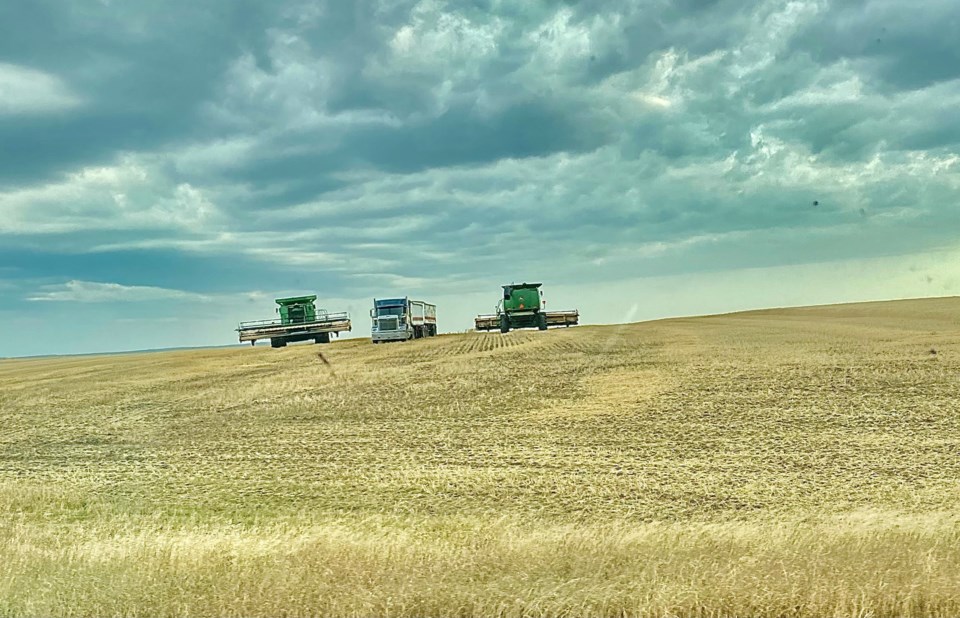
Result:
504,323
322,338
277,342
542,321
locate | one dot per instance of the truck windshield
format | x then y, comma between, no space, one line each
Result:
382,311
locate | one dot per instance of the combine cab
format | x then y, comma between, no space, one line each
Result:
522,307
300,320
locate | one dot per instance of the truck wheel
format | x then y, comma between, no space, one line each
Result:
277,343
504,324
322,338
541,321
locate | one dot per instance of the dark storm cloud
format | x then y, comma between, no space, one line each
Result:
458,137
141,69
902,45
38,149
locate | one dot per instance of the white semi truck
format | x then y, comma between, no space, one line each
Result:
401,319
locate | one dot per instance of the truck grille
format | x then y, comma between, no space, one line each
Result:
388,323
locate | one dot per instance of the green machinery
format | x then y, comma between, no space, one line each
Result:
300,320
522,306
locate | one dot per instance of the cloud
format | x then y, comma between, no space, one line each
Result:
94,292
899,47
25,91
129,195
352,148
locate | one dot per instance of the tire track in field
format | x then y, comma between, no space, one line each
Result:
519,344
477,343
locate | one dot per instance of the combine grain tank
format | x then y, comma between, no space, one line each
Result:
300,320
402,319
522,306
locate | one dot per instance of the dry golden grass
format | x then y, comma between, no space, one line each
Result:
787,462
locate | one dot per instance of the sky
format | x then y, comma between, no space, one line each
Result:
168,169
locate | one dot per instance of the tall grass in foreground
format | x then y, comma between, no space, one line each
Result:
858,565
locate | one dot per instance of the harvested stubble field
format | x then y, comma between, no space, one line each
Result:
781,463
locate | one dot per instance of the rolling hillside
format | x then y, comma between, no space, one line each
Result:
778,462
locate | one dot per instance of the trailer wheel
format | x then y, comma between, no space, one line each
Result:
322,338
542,321
504,324
277,342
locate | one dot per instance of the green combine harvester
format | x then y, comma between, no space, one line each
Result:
300,320
522,306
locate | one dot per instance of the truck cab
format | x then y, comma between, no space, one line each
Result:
390,320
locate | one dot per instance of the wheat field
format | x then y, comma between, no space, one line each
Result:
797,462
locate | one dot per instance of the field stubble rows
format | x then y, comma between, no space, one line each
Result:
728,431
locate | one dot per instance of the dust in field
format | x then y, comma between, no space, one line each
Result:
677,428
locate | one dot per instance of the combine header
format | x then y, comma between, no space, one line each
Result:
300,320
522,307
